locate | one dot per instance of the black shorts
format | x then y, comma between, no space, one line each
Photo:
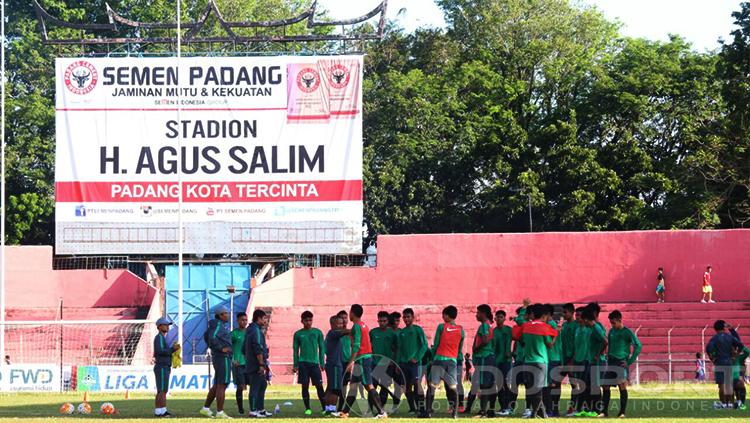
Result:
412,372
554,373
394,370
362,371
222,369
485,366
382,375
615,373
239,375
504,375
307,372
335,377
161,374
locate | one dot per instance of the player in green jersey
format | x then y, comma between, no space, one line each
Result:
383,341
537,337
501,344
738,365
621,341
394,322
567,338
484,361
308,353
346,353
554,370
412,346
238,359
598,358
582,365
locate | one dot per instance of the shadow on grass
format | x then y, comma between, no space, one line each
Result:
188,408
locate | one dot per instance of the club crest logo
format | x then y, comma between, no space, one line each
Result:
339,76
81,77
308,80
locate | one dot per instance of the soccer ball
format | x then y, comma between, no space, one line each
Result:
67,408
84,408
107,408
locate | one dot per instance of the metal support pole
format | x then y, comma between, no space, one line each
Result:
180,273
2,186
231,311
637,364
531,222
669,350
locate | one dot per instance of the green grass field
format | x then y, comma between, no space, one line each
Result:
648,403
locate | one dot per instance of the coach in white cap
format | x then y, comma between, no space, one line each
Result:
162,366
219,340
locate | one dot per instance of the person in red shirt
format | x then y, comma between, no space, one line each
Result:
360,365
707,288
448,343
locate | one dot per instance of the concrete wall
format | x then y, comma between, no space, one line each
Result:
548,267
31,283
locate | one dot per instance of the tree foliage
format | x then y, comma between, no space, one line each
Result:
515,102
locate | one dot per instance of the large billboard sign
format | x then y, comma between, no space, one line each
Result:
265,154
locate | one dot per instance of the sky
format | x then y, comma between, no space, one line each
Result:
701,22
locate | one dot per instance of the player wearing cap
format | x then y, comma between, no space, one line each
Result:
219,340
162,366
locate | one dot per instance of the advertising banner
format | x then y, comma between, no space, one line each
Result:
30,377
193,378
265,154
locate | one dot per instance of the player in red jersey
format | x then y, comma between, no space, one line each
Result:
447,346
360,365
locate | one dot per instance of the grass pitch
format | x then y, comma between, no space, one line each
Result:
648,403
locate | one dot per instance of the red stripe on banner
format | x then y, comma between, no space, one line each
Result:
173,109
345,112
208,192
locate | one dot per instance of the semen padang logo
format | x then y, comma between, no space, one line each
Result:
81,77
339,76
308,80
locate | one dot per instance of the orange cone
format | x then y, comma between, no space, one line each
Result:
86,396
127,394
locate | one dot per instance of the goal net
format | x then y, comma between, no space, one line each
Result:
79,343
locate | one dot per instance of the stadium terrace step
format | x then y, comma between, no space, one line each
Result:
93,313
654,320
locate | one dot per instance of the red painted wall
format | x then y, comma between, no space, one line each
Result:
548,267
31,283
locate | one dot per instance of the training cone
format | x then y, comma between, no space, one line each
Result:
86,396
127,394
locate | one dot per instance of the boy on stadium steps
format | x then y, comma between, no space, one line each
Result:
308,355
333,366
582,364
567,338
162,366
720,350
360,365
383,341
447,346
624,348
256,364
660,286
219,340
502,336
551,394
238,360
708,290
484,361
412,346
536,336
